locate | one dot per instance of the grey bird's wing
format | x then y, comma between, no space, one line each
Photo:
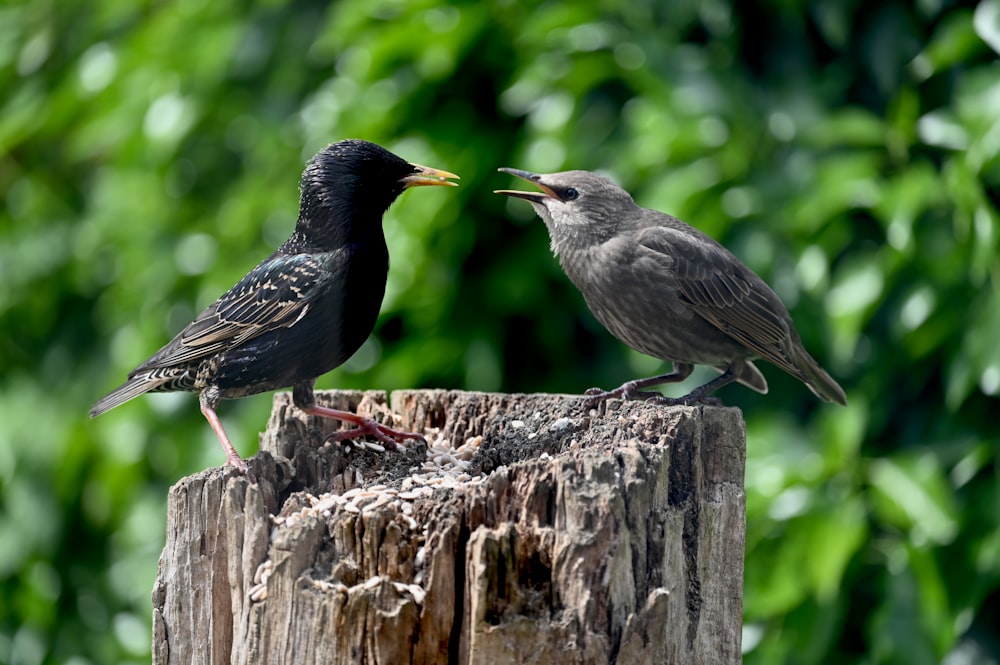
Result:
723,291
277,293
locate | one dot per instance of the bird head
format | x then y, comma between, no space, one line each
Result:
577,207
348,185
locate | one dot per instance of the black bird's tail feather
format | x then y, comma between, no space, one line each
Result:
135,386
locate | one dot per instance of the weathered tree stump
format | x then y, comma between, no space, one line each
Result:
529,531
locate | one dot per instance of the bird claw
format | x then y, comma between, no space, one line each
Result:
382,433
627,392
597,395
243,468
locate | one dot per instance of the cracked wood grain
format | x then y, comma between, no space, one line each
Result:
530,531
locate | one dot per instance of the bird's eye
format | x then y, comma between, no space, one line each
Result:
570,194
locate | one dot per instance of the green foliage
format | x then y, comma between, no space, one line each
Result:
849,152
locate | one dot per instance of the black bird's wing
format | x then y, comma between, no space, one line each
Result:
719,288
277,293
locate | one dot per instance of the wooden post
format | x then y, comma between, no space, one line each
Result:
529,531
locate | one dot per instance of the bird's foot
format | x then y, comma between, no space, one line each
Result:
627,391
630,390
633,389
232,457
596,395
235,460
383,433
365,426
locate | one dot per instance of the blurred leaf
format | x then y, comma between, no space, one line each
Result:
835,538
809,559
953,42
975,362
986,22
857,287
847,127
897,632
913,495
842,433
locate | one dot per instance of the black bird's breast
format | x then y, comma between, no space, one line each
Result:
339,297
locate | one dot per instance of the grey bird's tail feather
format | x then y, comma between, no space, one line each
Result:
818,381
134,387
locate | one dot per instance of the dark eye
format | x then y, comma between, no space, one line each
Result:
570,194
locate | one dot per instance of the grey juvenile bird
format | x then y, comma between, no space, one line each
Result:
668,290
306,308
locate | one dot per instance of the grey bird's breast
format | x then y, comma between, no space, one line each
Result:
636,297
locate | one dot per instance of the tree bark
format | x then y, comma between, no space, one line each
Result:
529,530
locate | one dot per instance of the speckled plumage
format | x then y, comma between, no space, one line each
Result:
305,309
668,290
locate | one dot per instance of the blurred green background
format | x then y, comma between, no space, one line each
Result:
846,150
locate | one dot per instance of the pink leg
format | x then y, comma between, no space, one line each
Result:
364,426
232,457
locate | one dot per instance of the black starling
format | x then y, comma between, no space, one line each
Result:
302,311
668,290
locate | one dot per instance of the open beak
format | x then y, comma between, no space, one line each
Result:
534,178
426,176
